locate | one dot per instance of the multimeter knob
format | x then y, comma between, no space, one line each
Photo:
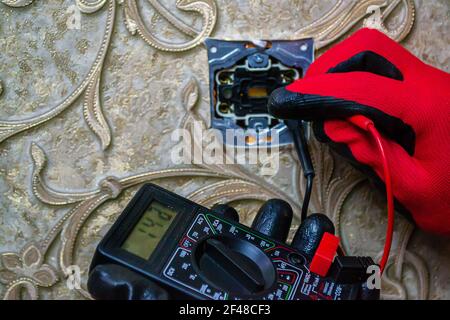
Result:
235,265
274,219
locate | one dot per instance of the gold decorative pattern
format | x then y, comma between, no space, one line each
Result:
17,3
206,8
25,273
345,14
9,128
90,86
90,6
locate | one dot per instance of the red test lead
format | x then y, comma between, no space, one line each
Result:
367,125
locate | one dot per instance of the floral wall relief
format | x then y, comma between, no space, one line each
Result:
26,272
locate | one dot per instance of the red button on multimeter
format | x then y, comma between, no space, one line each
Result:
325,254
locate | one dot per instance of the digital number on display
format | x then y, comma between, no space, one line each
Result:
149,230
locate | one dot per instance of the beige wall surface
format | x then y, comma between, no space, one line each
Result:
90,92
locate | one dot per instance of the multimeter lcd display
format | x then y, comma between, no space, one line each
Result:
150,228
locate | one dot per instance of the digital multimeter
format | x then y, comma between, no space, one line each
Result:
194,252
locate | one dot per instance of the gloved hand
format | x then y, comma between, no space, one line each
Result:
409,103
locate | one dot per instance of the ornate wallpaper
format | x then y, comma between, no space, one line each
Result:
90,91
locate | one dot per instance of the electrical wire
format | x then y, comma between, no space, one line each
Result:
367,125
297,129
307,197
301,146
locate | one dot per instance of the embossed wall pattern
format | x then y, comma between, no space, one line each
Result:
86,115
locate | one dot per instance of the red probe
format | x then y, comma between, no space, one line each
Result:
329,244
367,125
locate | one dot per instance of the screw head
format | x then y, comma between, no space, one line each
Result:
258,58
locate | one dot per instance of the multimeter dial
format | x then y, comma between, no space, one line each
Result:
234,265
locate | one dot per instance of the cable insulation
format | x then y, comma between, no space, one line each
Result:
307,197
368,125
301,145
389,195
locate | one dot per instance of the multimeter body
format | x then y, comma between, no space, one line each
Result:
194,253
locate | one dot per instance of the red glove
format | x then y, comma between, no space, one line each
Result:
408,101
